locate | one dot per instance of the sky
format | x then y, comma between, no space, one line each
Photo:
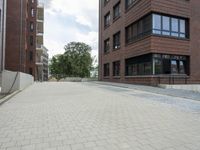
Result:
70,20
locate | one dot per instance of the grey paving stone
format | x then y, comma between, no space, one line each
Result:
88,116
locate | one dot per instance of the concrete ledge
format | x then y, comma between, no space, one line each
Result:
187,87
14,81
8,97
77,79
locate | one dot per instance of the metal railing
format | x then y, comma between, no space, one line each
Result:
173,79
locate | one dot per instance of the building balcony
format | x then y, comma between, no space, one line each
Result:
40,12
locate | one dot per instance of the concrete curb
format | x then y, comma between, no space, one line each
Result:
8,97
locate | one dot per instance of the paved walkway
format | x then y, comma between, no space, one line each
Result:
88,116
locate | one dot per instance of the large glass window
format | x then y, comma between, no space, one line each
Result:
140,65
159,25
170,64
157,64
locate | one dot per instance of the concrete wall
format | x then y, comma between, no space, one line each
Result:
193,87
13,81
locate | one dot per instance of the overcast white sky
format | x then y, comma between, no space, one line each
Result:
70,20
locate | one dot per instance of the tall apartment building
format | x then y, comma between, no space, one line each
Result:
20,48
41,51
149,41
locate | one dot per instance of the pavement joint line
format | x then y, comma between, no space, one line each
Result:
121,86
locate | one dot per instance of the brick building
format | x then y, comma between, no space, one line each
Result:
20,47
149,41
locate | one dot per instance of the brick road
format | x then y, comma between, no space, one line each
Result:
88,116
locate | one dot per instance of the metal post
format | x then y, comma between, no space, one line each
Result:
3,34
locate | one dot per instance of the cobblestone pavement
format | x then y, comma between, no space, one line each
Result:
88,116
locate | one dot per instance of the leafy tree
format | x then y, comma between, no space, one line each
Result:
75,62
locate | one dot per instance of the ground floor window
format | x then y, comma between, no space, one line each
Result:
170,64
141,65
157,64
116,68
106,70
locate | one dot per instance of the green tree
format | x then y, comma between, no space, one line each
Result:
75,62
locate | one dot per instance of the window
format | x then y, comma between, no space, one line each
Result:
138,29
116,40
156,24
106,45
106,70
107,20
31,40
30,56
169,26
174,27
174,67
129,3
32,12
141,65
158,66
31,26
170,64
33,1
116,11
166,25
182,67
106,1
182,29
116,68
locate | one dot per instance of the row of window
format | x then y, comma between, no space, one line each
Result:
116,14
151,64
159,25
128,3
116,69
153,24
116,11
116,42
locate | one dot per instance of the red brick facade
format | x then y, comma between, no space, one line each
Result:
150,44
21,36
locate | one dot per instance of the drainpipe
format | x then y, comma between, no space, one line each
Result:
3,36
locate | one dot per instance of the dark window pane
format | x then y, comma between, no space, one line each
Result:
106,46
116,41
106,70
174,67
107,20
116,68
158,66
116,11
